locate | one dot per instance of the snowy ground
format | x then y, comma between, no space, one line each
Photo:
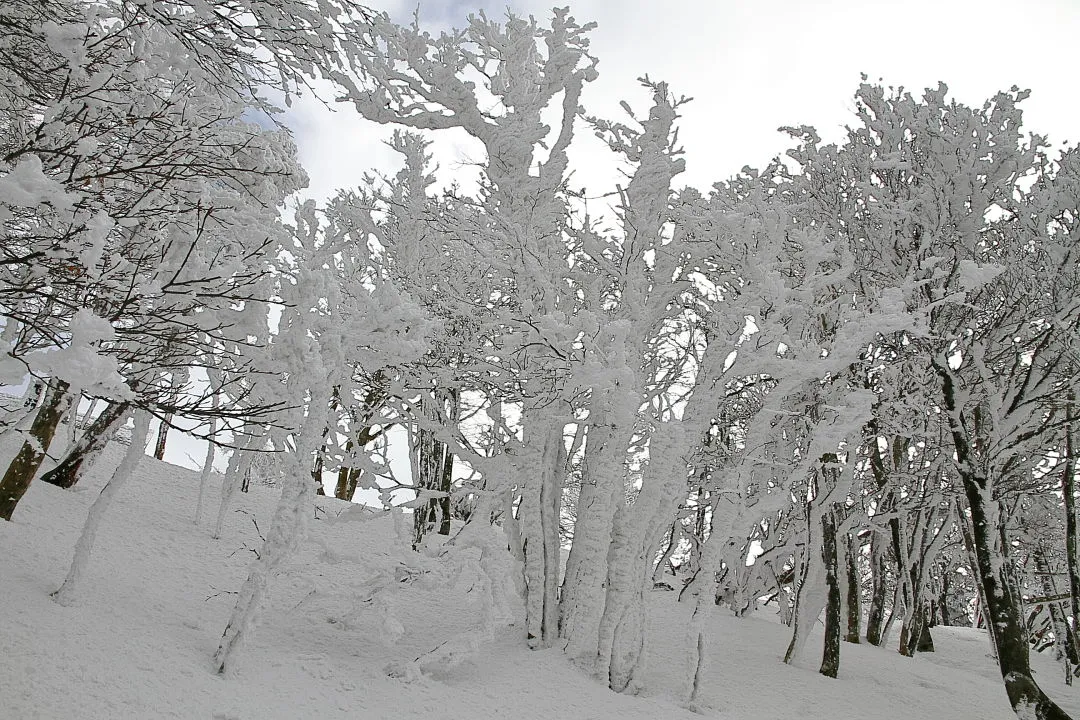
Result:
352,613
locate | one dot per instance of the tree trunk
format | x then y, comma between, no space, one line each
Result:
70,590
349,477
945,587
446,479
204,474
830,661
925,642
854,611
235,477
875,618
538,512
283,538
582,599
1003,612
907,573
346,477
1068,490
26,463
81,456
162,437
435,464
811,594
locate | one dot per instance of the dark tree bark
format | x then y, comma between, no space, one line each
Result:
435,462
24,466
875,619
852,589
925,643
82,455
1068,490
944,587
162,437
317,467
999,595
830,661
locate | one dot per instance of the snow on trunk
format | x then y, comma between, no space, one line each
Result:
636,535
207,468
538,513
239,464
287,530
70,591
811,593
725,517
582,601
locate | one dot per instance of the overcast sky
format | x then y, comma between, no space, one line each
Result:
752,67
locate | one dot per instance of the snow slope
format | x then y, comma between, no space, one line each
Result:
352,615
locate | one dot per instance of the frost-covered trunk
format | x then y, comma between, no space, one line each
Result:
538,515
20,473
207,467
703,588
233,479
70,591
637,532
928,533
907,571
434,463
85,451
602,491
810,595
1001,598
286,532
672,537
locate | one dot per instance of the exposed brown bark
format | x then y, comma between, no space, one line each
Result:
20,473
88,447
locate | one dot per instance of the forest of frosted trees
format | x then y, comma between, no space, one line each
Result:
842,386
